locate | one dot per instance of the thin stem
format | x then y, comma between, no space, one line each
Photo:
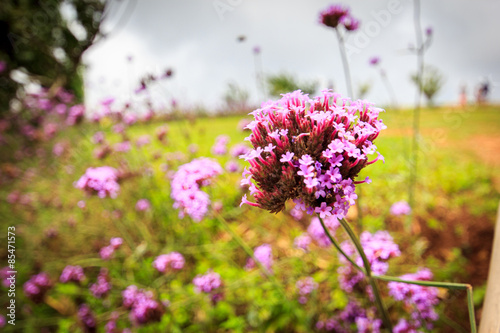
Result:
447,285
337,246
416,112
345,63
388,86
470,307
371,280
249,252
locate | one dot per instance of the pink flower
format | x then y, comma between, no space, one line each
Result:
102,181
168,262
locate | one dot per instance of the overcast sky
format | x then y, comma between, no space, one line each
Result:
198,40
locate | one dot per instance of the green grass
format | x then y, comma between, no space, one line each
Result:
452,178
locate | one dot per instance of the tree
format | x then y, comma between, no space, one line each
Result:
432,81
45,41
285,83
236,98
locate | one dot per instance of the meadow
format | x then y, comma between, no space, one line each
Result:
58,224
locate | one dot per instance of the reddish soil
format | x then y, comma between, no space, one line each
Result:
475,243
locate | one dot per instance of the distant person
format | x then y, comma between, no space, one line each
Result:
462,98
482,92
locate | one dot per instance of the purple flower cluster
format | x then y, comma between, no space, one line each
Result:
305,286
37,286
338,14
419,300
400,208
102,286
352,314
220,146
239,149
374,61
72,274
232,166
264,256
379,248
87,318
143,140
302,242
144,308
310,150
142,205
316,231
102,180
168,262
186,187
209,283
5,275
114,244
75,114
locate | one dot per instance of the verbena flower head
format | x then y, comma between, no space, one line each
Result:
169,262
419,300
310,150
400,208
209,283
378,247
306,286
144,308
374,61
316,231
331,17
264,255
72,274
186,187
87,318
142,205
37,286
102,181
220,146
102,286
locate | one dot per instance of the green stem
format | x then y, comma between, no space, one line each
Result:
371,280
447,285
249,252
337,246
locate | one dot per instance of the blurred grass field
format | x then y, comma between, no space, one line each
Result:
458,192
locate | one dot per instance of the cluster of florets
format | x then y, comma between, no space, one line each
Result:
220,146
75,114
336,15
239,149
144,308
316,231
310,150
87,318
102,286
143,140
107,251
352,319
400,208
102,181
142,205
209,283
264,255
37,286
419,300
186,187
379,248
72,274
305,286
169,262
